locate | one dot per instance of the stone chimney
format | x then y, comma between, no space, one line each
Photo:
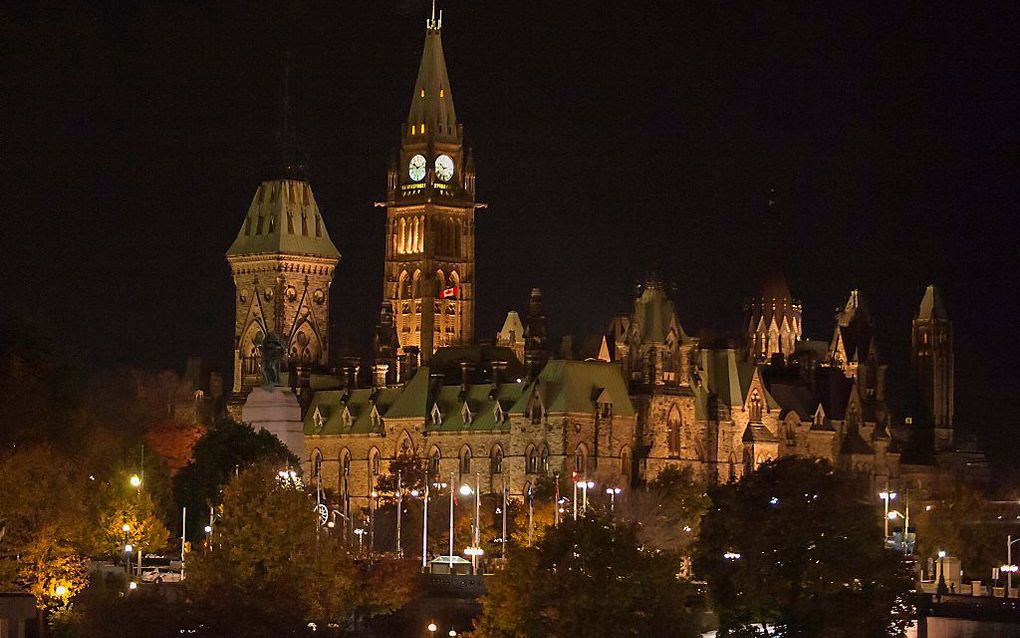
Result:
466,370
379,372
498,372
351,367
413,356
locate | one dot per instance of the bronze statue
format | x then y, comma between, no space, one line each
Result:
272,350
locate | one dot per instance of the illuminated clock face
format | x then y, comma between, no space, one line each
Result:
444,168
416,168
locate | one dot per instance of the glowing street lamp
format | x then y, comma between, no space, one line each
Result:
731,556
135,481
887,496
942,588
585,486
60,590
612,492
432,629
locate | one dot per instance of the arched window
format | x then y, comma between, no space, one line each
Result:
317,465
345,462
543,460
755,407
530,460
496,460
374,463
465,460
626,464
581,460
434,462
674,424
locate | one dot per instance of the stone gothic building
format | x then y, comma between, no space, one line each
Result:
507,414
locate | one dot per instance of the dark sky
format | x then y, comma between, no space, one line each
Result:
611,139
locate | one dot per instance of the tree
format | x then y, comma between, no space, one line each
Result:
222,452
588,577
963,525
793,545
668,511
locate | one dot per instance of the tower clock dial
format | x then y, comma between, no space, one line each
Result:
444,168
416,168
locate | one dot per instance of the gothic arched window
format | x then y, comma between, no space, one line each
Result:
496,460
345,462
543,460
434,462
465,460
530,460
674,425
374,462
317,465
755,409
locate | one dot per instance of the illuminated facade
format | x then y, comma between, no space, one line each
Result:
429,276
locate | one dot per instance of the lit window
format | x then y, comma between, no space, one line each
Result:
423,93
423,128
442,92
414,129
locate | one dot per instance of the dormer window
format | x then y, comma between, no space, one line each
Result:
346,417
376,418
497,412
465,413
436,415
319,421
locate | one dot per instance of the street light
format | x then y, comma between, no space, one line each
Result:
887,496
612,492
585,486
452,633
135,481
60,591
1010,541
432,629
942,588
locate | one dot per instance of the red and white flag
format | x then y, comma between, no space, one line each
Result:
450,293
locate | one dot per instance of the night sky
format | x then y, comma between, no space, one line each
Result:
611,139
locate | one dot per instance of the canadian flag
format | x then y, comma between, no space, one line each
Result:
449,293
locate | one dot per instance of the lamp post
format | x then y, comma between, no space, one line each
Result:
893,514
432,629
453,503
942,588
465,491
425,527
371,520
585,486
400,506
612,492
1009,567
887,496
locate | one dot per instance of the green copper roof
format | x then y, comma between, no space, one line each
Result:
656,316
432,102
284,218
571,386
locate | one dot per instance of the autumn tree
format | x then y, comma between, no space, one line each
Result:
226,449
588,577
793,544
668,511
963,524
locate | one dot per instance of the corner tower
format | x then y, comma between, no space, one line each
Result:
932,354
429,277
282,262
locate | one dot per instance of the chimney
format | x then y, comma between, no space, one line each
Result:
379,372
498,372
413,360
466,368
351,367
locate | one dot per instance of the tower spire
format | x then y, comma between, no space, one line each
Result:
290,164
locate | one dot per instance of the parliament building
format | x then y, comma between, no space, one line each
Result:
652,397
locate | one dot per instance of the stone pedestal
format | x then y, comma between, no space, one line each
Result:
276,410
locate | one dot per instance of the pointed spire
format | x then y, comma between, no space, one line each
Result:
932,306
432,101
291,166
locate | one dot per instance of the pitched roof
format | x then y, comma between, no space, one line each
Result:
512,324
655,315
854,443
284,218
432,102
729,377
569,386
932,306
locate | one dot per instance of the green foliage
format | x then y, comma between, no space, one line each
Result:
587,578
227,448
957,524
811,555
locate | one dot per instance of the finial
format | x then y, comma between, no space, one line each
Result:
433,23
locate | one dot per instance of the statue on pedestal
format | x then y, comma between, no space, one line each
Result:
272,351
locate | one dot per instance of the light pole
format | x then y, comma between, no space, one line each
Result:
612,492
891,516
371,520
1009,567
585,486
465,491
887,496
400,506
453,475
942,588
432,629
425,526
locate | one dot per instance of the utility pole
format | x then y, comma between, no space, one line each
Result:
425,527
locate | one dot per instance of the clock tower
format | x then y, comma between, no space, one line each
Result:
429,277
